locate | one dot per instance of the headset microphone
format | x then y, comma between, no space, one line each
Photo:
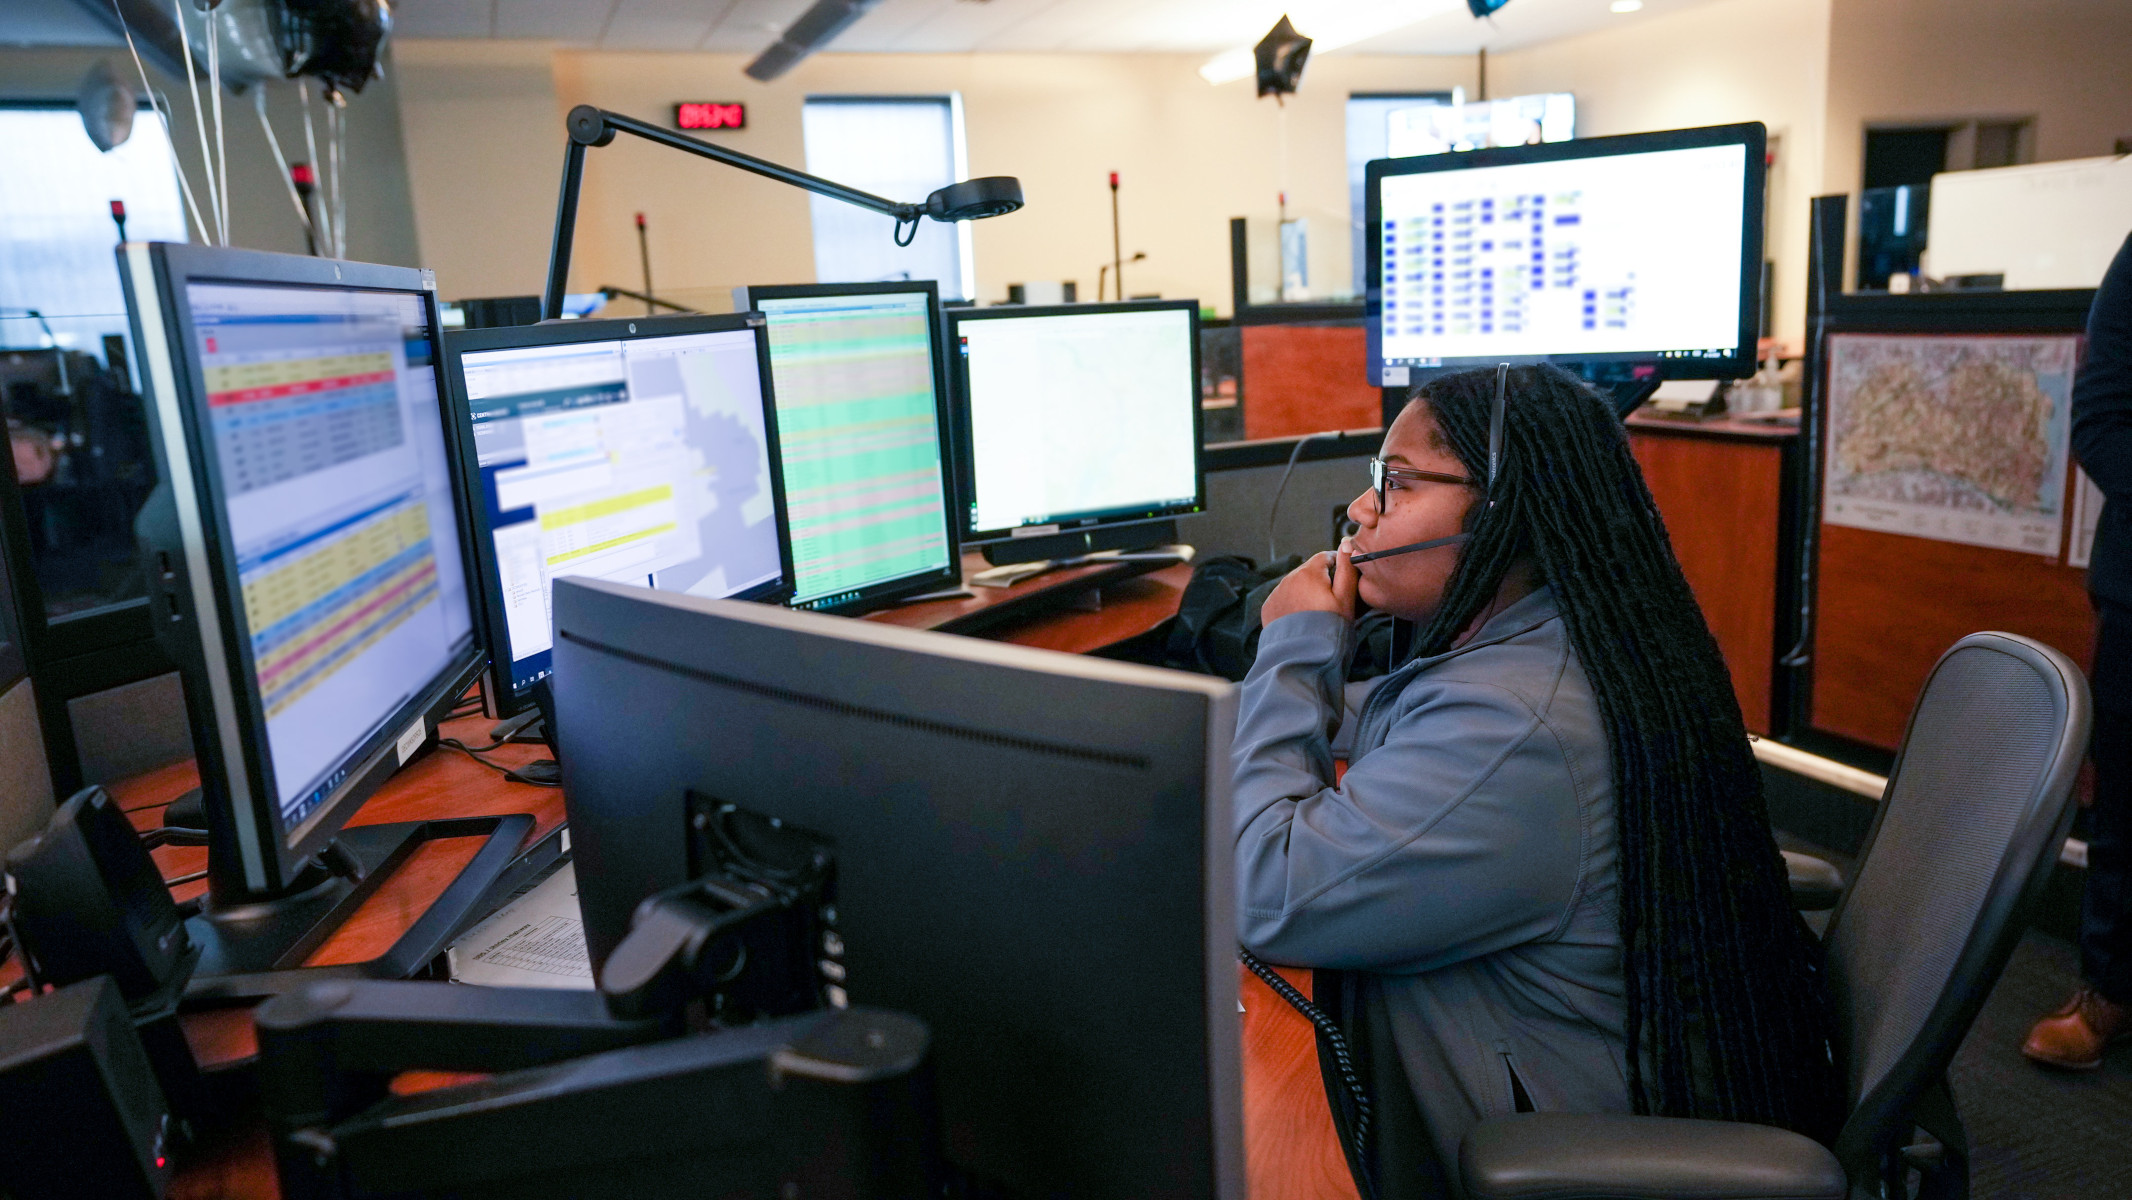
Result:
1374,555
1431,544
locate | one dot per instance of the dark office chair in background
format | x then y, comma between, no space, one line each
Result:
1975,812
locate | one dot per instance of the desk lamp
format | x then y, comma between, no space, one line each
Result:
969,200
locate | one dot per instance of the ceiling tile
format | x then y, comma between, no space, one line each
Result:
577,22
52,23
661,24
992,26
883,28
1525,23
442,18
749,26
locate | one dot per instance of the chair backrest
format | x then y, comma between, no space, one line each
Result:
1973,818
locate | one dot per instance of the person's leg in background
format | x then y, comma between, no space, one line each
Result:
2101,1011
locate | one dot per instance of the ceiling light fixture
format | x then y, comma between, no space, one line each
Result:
1625,6
1329,26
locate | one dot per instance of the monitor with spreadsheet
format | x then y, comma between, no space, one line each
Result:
1642,251
1076,416
862,429
307,546
636,450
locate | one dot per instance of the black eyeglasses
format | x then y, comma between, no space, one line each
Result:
1382,472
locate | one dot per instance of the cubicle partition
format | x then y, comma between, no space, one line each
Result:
1943,497
25,783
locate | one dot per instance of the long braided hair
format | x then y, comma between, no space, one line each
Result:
1728,1014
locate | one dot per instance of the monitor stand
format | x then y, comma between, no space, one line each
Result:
1624,386
1628,395
1140,535
253,946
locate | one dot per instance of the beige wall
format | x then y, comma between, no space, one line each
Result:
1730,60
484,137
1190,156
2065,64
381,227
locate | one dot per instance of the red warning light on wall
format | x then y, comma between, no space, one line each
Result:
710,114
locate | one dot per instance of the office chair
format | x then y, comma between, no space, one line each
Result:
1975,812
1816,884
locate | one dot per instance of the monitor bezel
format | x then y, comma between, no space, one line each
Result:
499,697
879,594
223,673
1751,135
965,465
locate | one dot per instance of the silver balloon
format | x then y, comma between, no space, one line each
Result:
107,104
249,32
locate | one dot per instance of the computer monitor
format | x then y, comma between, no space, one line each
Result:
1632,256
862,430
1078,425
306,559
638,450
1032,854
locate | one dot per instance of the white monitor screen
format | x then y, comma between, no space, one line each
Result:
641,460
1621,257
330,445
1080,416
858,431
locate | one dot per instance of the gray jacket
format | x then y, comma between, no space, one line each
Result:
1465,864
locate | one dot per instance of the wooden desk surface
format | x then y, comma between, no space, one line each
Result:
1130,606
1734,428
1292,1153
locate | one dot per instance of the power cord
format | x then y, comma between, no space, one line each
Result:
543,772
1273,554
1358,1100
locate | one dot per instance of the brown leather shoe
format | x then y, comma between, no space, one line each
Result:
2074,1036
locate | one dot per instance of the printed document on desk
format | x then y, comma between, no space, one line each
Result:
536,941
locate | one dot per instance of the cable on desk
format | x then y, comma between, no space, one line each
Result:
1343,1059
1273,513
539,773
173,835
195,877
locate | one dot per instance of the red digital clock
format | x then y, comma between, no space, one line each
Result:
710,114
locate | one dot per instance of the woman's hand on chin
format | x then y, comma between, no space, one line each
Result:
1308,588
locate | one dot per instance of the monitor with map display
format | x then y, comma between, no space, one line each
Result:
1638,254
862,427
638,451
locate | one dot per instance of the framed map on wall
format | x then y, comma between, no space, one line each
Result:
1959,438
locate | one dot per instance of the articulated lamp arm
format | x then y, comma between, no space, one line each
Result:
590,126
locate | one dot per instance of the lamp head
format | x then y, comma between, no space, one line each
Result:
974,199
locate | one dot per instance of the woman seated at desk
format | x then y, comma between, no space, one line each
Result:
1548,870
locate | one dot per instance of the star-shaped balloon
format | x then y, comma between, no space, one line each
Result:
1280,56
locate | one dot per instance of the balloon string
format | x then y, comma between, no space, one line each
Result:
214,91
162,112
325,200
199,118
259,104
337,131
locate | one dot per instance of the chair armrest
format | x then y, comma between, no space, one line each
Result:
1558,1156
1816,884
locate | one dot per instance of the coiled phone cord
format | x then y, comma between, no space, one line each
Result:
1343,1057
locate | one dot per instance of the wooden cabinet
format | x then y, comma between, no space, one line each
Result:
1721,487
